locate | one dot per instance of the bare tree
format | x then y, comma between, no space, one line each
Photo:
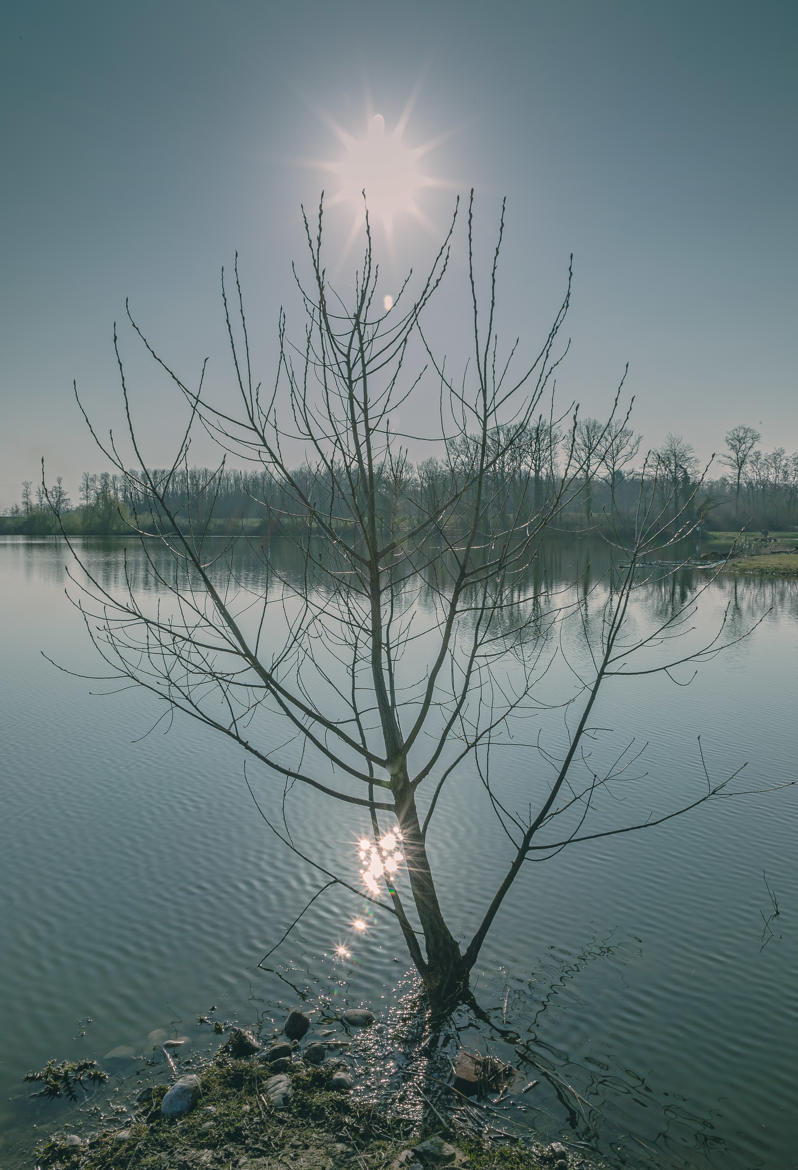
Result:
541,452
88,487
610,445
363,725
621,445
676,466
589,443
741,441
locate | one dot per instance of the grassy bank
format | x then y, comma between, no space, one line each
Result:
234,1123
771,555
773,564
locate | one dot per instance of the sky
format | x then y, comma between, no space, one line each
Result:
143,145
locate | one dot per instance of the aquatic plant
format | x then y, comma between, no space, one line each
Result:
60,1080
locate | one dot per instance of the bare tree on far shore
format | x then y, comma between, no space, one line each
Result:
741,441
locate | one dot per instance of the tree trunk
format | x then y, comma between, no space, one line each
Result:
444,972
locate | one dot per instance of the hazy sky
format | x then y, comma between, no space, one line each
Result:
143,143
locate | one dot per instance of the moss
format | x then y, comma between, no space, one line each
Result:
481,1157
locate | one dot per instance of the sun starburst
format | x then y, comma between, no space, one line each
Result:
380,170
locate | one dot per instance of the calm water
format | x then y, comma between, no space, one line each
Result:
140,887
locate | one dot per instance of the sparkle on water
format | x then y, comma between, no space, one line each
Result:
380,859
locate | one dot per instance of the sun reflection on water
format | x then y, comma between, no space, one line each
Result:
380,859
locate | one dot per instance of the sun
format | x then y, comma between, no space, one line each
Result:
381,162
385,167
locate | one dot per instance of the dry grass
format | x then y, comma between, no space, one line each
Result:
781,564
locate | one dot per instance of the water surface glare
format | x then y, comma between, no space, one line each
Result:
140,887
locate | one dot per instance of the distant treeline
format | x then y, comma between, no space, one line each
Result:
757,490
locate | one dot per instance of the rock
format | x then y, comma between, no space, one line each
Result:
281,1064
241,1043
277,1051
314,1053
121,1052
435,1152
466,1072
476,1074
296,1025
71,1141
280,1090
178,1042
358,1017
182,1097
341,1080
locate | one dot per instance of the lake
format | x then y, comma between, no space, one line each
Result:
647,971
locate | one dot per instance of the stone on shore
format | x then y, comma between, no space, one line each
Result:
477,1074
280,1090
241,1043
358,1017
341,1080
435,1152
279,1050
182,1096
315,1052
296,1025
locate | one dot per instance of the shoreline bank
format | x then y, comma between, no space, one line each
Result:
287,1098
